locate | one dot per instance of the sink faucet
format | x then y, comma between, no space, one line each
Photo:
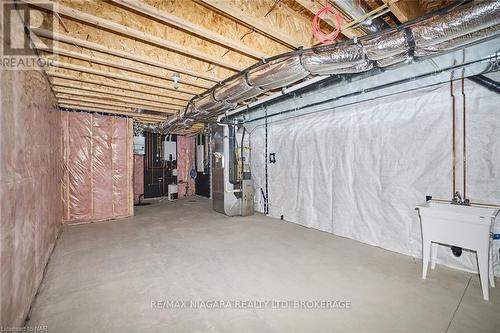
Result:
457,200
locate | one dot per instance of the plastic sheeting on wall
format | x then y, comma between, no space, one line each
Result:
359,171
97,167
30,192
185,163
138,177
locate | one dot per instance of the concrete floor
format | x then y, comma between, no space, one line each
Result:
103,277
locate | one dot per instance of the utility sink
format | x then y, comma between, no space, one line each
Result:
462,226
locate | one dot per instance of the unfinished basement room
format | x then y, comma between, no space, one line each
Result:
250,166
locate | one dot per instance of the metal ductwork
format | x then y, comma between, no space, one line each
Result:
231,195
358,9
441,32
277,73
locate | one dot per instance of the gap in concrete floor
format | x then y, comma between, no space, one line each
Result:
103,277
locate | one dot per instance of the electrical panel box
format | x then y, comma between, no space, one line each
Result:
169,150
200,158
139,145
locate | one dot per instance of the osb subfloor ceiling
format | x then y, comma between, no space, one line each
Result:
146,59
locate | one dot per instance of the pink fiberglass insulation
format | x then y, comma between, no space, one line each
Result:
122,167
30,191
97,178
138,177
185,162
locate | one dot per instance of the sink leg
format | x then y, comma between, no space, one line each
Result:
434,251
426,249
483,265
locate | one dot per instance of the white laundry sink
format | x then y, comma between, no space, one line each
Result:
462,226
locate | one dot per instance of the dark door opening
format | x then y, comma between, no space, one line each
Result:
159,170
202,181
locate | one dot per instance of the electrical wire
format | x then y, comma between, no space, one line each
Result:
316,25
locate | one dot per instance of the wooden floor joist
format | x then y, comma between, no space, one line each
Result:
54,74
189,27
96,60
134,34
84,69
62,84
252,22
90,108
190,74
97,100
404,10
79,91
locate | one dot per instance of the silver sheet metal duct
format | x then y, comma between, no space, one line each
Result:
440,32
357,9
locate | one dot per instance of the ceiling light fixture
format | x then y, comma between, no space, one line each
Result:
176,77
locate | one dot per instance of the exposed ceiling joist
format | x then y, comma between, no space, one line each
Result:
117,111
405,10
189,27
101,104
133,33
252,22
103,83
90,92
121,54
126,78
111,102
105,62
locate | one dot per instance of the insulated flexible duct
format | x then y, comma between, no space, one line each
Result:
457,42
333,61
359,68
277,73
207,104
440,32
395,59
462,21
236,90
387,45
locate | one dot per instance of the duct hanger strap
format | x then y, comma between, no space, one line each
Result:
411,42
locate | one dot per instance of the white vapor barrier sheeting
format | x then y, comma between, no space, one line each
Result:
359,171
